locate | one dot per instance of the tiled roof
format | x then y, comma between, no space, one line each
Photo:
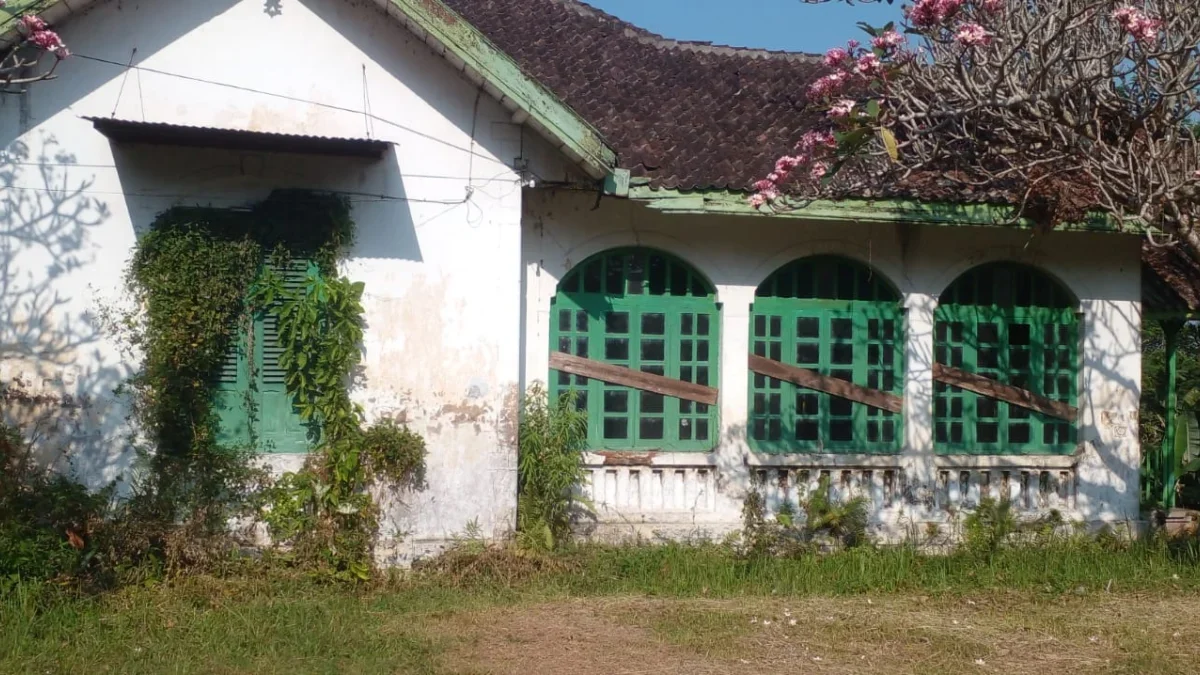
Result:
686,115
1170,280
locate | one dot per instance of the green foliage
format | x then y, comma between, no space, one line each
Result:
1153,413
994,525
552,439
989,526
326,509
825,524
199,278
46,519
395,453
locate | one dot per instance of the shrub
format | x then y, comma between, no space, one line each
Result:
395,453
552,437
48,522
825,523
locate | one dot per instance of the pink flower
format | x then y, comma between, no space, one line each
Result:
889,40
818,170
836,57
827,85
786,163
992,6
972,35
757,199
813,141
1133,21
841,109
49,41
868,65
31,23
930,13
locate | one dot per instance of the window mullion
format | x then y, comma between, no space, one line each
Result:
860,319
824,400
788,391
970,320
1002,407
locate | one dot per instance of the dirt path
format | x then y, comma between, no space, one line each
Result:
990,634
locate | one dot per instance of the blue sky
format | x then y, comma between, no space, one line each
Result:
769,24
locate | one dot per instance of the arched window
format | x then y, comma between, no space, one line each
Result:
1006,346
646,311
816,320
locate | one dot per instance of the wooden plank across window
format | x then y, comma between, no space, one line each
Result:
628,377
1004,392
811,379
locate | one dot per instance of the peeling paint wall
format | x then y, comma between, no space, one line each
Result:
680,494
438,222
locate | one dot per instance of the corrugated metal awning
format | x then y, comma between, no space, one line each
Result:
162,133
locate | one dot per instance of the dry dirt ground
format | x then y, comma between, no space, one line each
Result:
1008,634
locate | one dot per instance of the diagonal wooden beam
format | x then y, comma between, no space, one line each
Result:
1004,392
628,377
811,379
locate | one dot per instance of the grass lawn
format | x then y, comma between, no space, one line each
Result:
666,610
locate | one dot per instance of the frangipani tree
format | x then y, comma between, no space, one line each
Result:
1056,107
21,60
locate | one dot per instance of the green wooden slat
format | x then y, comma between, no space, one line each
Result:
273,423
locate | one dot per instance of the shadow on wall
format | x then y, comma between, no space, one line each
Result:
56,376
58,370
156,178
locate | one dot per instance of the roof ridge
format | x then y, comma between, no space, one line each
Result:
648,37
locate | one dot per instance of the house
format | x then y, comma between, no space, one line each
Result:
542,192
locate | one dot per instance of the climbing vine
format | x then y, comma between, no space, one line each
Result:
200,276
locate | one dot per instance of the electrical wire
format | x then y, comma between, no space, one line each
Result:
295,99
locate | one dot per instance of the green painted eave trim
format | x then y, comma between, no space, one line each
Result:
465,43
728,202
469,45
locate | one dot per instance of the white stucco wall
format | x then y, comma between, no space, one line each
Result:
438,223
683,493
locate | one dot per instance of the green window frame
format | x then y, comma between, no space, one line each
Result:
1014,324
646,310
840,318
251,399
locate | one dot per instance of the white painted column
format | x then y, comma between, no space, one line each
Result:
735,349
918,458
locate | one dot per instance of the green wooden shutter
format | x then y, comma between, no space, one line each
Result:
281,429
1013,324
645,310
250,395
230,396
839,318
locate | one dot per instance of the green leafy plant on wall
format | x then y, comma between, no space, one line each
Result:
326,510
201,278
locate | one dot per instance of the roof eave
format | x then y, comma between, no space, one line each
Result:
530,102
731,202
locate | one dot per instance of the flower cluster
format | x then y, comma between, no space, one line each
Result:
972,35
889,41
854,61
41,36
1136,23
931,13
814,148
